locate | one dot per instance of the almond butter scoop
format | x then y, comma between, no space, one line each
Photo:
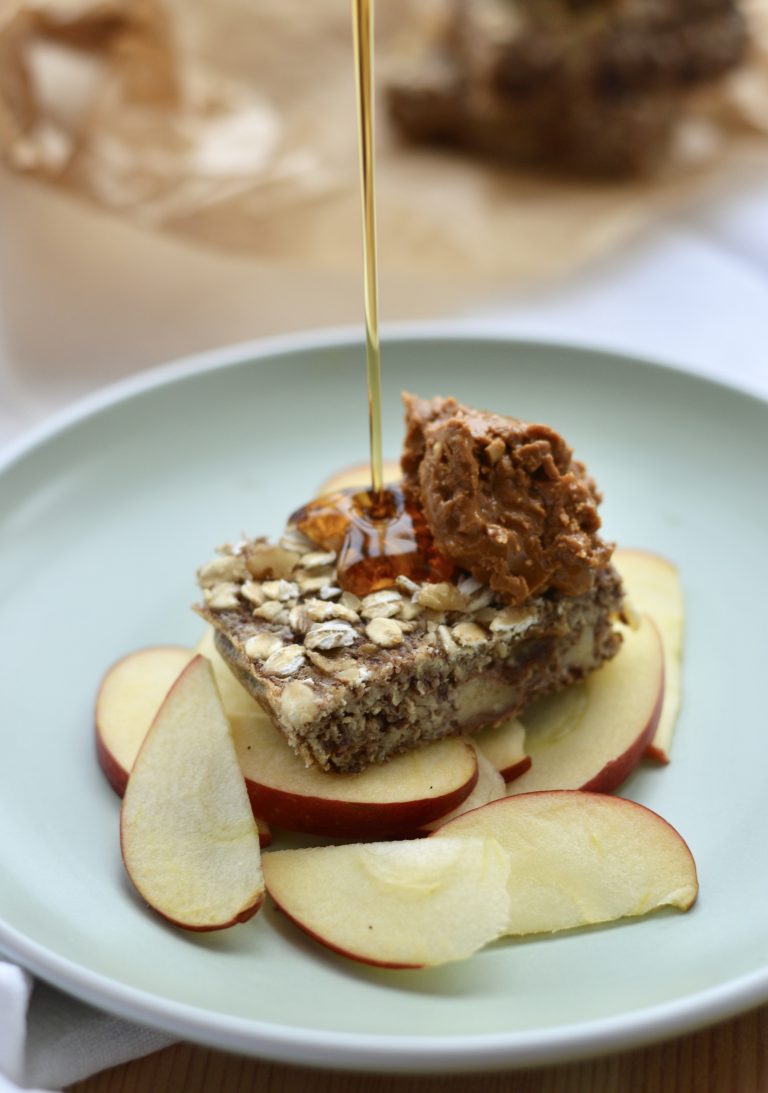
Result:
503,498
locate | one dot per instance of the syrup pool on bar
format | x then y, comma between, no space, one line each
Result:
378,538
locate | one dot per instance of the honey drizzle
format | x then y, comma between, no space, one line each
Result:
378,539
362,11
378,535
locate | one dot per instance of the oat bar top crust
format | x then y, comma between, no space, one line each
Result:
351,681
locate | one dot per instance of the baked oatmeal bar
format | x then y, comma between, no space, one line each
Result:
353,680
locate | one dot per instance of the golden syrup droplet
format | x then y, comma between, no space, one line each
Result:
377,538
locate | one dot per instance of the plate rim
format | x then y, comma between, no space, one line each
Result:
365,1051
341,336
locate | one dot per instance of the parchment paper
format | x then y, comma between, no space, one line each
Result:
232,124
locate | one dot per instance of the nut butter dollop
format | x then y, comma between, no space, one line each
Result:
503,498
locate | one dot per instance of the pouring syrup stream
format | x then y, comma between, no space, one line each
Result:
378,534
362,11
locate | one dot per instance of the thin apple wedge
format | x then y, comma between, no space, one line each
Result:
396,905
359,475
490,786
130,695
578,859
592,735
653,585
189,840
504,745
128,699
385,801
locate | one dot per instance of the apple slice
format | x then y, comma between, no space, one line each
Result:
128,700
359,475
188,837
385,801
577,859
593,734
504,745
396,905
129,697
653,585
489,787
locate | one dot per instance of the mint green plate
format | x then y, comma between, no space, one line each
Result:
105,515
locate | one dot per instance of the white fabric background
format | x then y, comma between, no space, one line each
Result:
84,301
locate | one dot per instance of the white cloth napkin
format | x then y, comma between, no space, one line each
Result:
48,1040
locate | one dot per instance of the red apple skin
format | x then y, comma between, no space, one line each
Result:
339,951
502,801
117,775
657,755
246,914
619,769
510,773
114,772
118,779
351,819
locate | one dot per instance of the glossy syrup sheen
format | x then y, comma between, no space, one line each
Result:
377,538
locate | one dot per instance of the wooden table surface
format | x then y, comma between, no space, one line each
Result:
731,1057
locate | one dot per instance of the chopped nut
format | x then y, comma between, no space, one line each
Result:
270,610
253,592
260,646
468,633
280,590
441,597
513,619
384,632
495,450
298,705
318,559
264,560
445,639
330,635
284,662
220,570
222,596
406,584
